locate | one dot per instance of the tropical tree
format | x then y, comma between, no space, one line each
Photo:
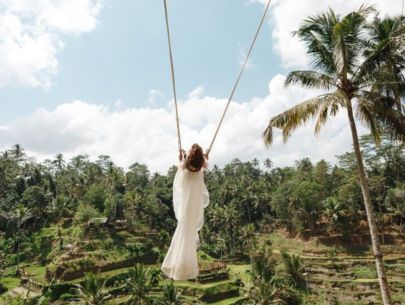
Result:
17,153
138,285
92,291
334,212
59,162
17,218
231,220
267,287
396,203
386,50
36,199
347,67
171,296
294,268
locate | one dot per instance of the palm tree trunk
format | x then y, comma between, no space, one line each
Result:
382,277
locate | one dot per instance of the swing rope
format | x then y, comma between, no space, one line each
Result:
240,75
172,75
236,82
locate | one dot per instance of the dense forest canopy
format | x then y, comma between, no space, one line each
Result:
246,197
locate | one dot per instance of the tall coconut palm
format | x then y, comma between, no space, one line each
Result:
339,49
386,50
18,152
17,217
59,162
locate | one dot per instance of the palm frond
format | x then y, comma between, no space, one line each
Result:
348,39
366,117
310,79
390,119
328,108
316,34
298,115
385,47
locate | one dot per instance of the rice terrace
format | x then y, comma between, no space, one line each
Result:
202,152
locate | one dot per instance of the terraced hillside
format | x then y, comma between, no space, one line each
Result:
335,274
346,273
68,262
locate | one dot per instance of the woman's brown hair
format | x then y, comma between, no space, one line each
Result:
195,160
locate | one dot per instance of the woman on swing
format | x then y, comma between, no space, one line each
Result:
190,197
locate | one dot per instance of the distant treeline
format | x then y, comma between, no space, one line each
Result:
308,198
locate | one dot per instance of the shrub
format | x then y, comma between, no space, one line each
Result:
55,290
85,212
3,288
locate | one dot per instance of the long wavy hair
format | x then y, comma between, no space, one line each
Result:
195,160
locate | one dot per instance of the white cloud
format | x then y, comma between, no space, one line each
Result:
197,93
148,135
31,36
118,104
286,16
153,95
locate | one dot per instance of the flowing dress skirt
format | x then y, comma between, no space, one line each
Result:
190,197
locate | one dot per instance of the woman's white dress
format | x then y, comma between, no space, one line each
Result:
190,197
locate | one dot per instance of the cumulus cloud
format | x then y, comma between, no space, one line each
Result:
286,16
153,95
31,36
148,134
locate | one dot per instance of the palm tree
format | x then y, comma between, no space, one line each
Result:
395,200
268,288
295,269
334,45
93,290
231,220
247,237
386,43
334,212
59,207
262,293
17,152
59,162
268,164
171,296
138,286
267,293
18,217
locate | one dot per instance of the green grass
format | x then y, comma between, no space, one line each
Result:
239,271
36,271
195,285
399,298
10,282
230,301
365,272
366,281
50,231
205,257
118,300
278,241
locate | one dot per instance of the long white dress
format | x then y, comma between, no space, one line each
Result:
190,197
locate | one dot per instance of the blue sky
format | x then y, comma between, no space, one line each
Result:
125,56
92,77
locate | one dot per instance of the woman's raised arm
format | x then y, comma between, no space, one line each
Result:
205,160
